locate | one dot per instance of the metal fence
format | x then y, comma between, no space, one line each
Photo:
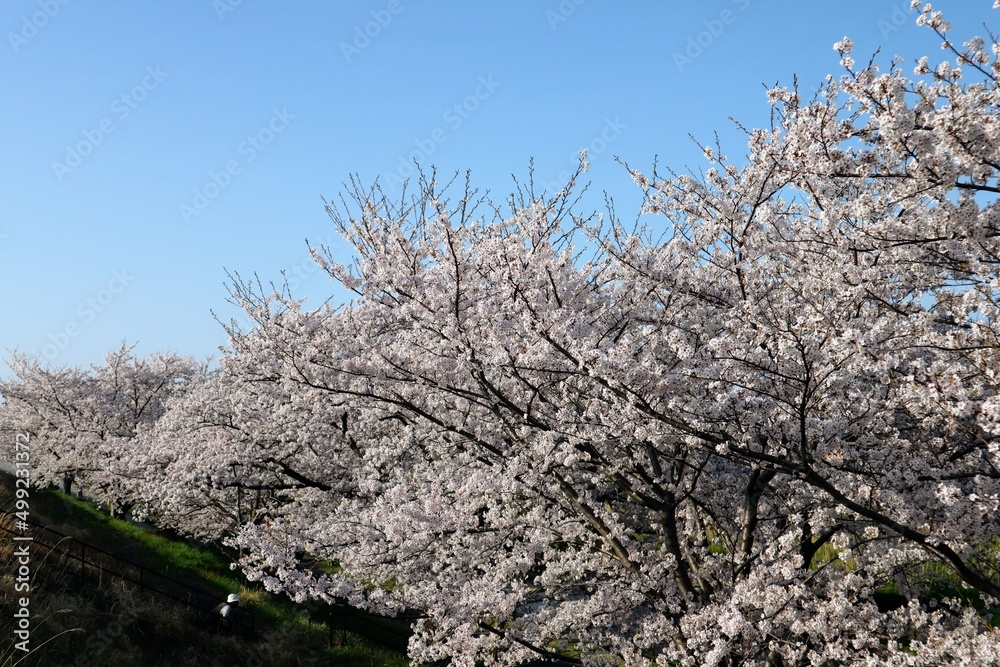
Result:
390,632
94,564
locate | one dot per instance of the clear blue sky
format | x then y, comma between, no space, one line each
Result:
116,115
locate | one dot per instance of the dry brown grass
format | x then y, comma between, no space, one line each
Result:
76,623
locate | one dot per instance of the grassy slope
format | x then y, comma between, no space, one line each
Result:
77,624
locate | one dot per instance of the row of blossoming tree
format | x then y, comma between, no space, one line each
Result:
759,426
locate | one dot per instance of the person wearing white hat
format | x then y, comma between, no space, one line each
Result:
223,616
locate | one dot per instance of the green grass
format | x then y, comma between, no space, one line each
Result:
290,632
204,566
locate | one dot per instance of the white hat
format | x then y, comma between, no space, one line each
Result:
233,597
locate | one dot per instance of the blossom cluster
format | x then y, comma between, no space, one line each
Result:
759,427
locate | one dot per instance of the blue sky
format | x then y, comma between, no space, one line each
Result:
147,148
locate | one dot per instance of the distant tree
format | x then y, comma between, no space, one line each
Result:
233,448
718,436
84,423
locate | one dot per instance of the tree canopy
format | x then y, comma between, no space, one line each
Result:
756,426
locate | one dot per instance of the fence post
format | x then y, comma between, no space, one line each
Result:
118,567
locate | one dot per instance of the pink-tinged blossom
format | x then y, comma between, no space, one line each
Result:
712,437
85,424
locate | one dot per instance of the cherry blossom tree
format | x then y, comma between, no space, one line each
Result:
83,423
757,426
231,449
